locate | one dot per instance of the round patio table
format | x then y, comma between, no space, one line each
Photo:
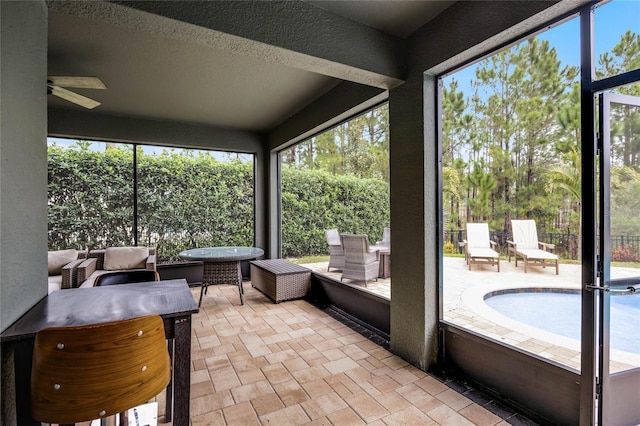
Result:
222,265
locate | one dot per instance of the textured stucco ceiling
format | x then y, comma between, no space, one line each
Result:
242,65
396,17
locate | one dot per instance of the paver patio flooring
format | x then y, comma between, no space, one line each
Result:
291,363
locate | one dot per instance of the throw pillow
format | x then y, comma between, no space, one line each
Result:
58,258
116,258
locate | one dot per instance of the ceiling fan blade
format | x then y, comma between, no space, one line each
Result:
77,82
74,97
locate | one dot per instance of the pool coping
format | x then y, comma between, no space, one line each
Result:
473,299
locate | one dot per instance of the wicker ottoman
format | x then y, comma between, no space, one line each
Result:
280,280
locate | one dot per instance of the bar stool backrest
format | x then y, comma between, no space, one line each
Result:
82,373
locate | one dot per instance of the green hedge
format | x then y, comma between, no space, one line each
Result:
313,201
193,200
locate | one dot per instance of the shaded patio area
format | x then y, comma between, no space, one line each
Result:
292,363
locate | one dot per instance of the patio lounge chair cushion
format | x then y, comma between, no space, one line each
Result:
118,258
537,254
525,234
525,245
59,258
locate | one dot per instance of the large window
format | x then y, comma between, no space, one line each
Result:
90,194
337,179
179,199
511,151
617,38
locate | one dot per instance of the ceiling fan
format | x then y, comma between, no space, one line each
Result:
56,86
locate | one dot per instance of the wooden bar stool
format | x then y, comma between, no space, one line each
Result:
84,373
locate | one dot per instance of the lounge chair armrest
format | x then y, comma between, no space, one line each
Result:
151,262
511,243
546,246
493,245
70,274
85,269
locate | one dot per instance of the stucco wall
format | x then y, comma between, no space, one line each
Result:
23,172
23,161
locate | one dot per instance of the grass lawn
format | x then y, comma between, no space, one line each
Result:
309,259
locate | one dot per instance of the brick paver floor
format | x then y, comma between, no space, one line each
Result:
291,363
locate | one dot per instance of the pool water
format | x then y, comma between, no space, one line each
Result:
559,313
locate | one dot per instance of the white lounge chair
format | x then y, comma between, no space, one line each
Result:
525,245
478,246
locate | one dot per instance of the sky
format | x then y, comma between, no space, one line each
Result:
611,20
148,149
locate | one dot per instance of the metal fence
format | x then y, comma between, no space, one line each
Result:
566,244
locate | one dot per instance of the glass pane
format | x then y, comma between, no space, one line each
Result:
190,198
617,38
339,180
90,194
624,325
511,152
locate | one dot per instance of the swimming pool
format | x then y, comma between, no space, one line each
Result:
558,311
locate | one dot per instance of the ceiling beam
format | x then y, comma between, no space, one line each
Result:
339,104
292,33
87,125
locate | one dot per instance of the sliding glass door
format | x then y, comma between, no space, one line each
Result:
617,294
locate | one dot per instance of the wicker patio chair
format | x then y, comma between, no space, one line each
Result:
360,261
478,247
386,238
62,268
114,259
336,252
525,245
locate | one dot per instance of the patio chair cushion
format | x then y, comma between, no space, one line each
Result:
117,258
482,252
525,234
54,283
58,258
537,254
478,236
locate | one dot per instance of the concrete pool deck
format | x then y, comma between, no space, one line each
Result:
464,305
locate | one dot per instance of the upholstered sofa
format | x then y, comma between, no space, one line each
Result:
62,267
113,259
